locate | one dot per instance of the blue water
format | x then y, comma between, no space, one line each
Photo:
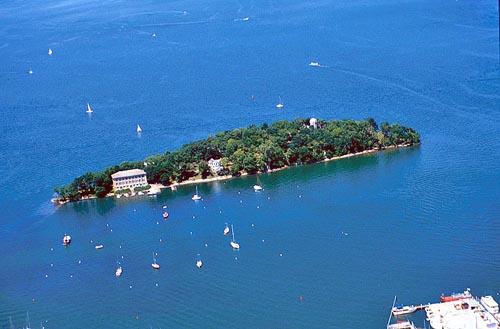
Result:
346,235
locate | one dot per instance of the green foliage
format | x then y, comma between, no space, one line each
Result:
252,149
142,188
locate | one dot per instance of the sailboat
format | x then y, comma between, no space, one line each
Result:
258,186
155,265
226,230
119,270
199,263
196,196
233,242
280,104
28,325
139,129
89,110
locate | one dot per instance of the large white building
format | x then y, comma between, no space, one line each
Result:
129,179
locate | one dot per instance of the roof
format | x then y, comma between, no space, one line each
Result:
128,173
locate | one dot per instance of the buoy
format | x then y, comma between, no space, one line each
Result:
300,299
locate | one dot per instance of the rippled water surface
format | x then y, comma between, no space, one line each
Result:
347,235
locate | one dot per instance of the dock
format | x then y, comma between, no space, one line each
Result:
460,311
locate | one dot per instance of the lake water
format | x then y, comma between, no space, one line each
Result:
346,235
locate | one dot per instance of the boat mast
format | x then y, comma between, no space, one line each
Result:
390,314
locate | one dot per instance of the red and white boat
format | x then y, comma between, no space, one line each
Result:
453,297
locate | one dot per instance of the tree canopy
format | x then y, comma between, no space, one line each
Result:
252,149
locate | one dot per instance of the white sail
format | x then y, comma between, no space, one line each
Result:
280,104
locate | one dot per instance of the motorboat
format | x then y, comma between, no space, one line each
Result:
165,215
453,297
402,325
66,240
119,271
226,230
489,304
99,246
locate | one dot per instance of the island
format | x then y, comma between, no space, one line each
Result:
242,151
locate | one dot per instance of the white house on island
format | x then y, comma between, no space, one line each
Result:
129,179
215,165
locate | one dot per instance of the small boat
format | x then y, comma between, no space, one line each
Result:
165,215
314,64
489,304
226,230
453,297
139,129
399,324
89,110
66,240
199,263
245,19
403,310
196,196
233,242
155,265
50,52
280,104
99,246
402,325
118,196
258,186
119,271
30,71
154,192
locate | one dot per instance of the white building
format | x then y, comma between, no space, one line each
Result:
129,179
215,165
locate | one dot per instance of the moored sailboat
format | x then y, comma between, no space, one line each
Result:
89,110
155,265
233,242
280,104
258,186
196,196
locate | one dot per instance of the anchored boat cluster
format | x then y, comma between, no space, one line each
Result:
456,311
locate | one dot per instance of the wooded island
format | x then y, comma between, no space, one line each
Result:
250,150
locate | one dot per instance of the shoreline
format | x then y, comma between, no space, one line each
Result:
228,177
157,188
